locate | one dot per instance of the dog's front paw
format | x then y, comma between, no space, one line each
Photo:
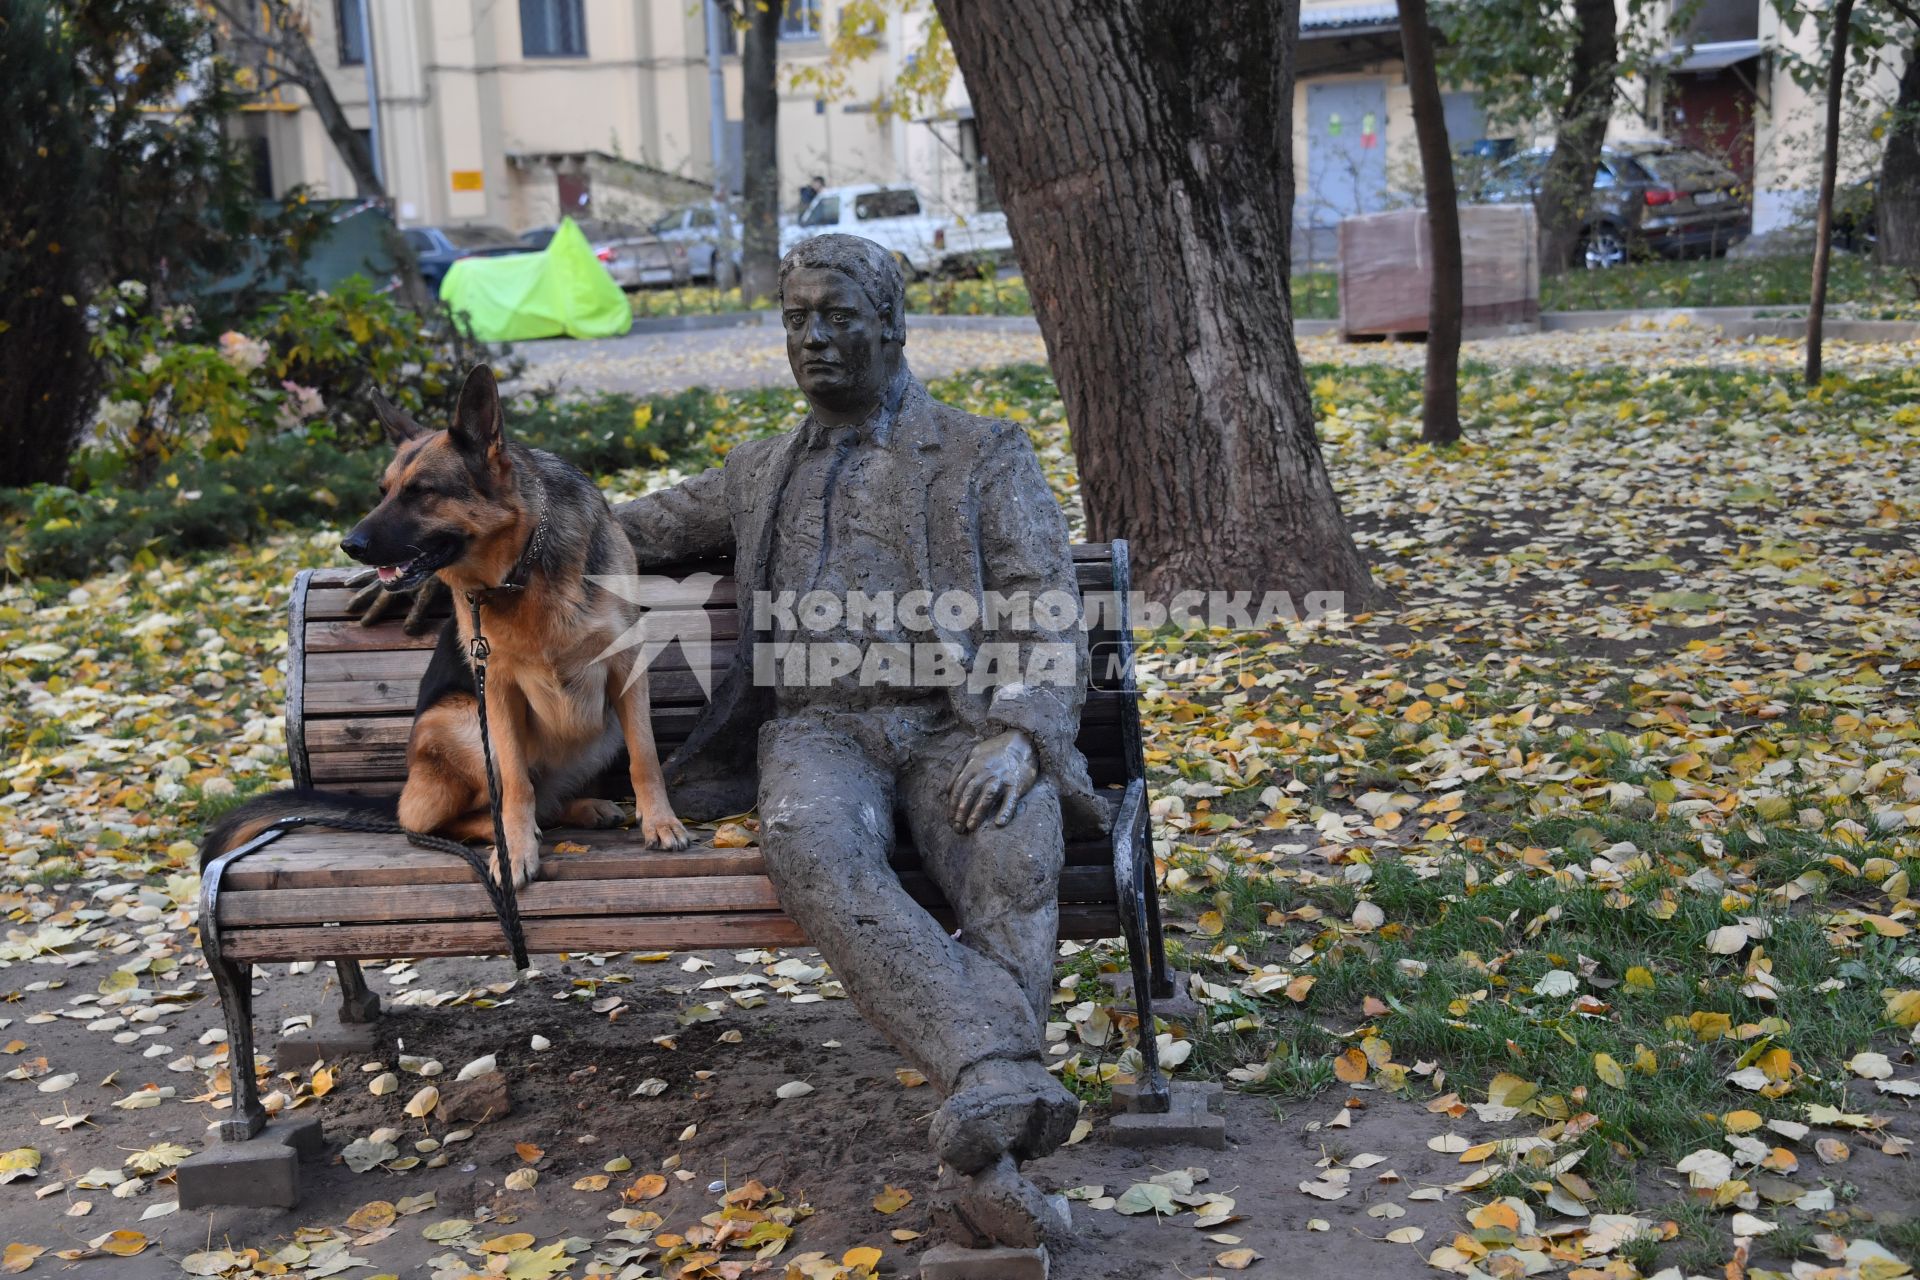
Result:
523,855
525,868
664,832
522,868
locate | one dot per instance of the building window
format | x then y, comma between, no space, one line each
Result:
801,20
553,29
260,159
353,36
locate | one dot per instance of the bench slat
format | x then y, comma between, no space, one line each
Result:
318,858
342,636
328,596
551,935
571,897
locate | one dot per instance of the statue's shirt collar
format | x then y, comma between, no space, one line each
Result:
876,429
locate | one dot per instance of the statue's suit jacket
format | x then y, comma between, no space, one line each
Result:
979,517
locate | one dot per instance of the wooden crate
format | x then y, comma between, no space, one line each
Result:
1386,263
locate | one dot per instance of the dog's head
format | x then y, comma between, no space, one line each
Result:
443,493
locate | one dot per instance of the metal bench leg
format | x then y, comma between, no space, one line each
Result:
1156,938
357,1003
1131,885
234,981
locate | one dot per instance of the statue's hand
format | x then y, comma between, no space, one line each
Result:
997,773
374,603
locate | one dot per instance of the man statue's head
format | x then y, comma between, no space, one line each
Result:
843,301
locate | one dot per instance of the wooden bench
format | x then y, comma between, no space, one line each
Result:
311,893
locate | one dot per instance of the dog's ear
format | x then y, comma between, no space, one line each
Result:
478,425
395,421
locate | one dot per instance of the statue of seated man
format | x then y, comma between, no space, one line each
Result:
837,719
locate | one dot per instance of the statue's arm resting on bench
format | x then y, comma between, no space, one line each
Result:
1025,557
690,521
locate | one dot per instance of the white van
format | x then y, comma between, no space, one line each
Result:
895,217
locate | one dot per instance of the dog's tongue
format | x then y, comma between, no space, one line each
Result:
392,572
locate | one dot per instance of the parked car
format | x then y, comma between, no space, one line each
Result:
633,255
709,232
1650,197
440,247
894,217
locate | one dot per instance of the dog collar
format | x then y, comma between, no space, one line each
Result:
516,579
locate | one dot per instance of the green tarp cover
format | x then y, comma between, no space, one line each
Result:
562,291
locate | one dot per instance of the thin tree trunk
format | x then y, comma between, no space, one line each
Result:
1829,167
277,31
1440,405
284,36
1144,152
346,139
760,154
1898,213
1566,189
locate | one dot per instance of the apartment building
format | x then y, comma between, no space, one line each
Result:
510,111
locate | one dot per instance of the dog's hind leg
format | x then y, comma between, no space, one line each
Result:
588,812
446,774
560,786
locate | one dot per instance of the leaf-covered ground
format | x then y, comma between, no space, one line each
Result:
1558,920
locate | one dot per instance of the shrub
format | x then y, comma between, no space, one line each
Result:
274,481
305,369
111,173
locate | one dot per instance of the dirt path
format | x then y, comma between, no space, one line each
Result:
835,1149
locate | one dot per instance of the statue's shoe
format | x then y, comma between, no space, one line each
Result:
995,1206
1003,1106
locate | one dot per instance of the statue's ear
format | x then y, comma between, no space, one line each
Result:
478,424
395,421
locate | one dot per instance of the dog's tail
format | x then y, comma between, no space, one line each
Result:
248,820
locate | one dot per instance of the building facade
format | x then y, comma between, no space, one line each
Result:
512,111
509,112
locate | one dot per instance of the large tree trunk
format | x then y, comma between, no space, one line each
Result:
1899,205
1566,189
1829,168
1440,407
760,155
1143,151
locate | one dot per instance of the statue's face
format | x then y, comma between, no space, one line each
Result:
835,342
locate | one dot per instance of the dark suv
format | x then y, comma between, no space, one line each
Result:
1648,198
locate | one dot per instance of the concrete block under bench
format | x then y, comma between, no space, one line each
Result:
261,1172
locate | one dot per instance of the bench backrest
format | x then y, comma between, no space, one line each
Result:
351,689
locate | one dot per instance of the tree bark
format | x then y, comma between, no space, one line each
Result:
1440,404
760,154
1144,152
1829,168
1566,189
1898,211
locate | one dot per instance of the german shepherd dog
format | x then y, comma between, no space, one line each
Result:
479,511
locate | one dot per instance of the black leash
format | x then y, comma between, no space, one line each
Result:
506,902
